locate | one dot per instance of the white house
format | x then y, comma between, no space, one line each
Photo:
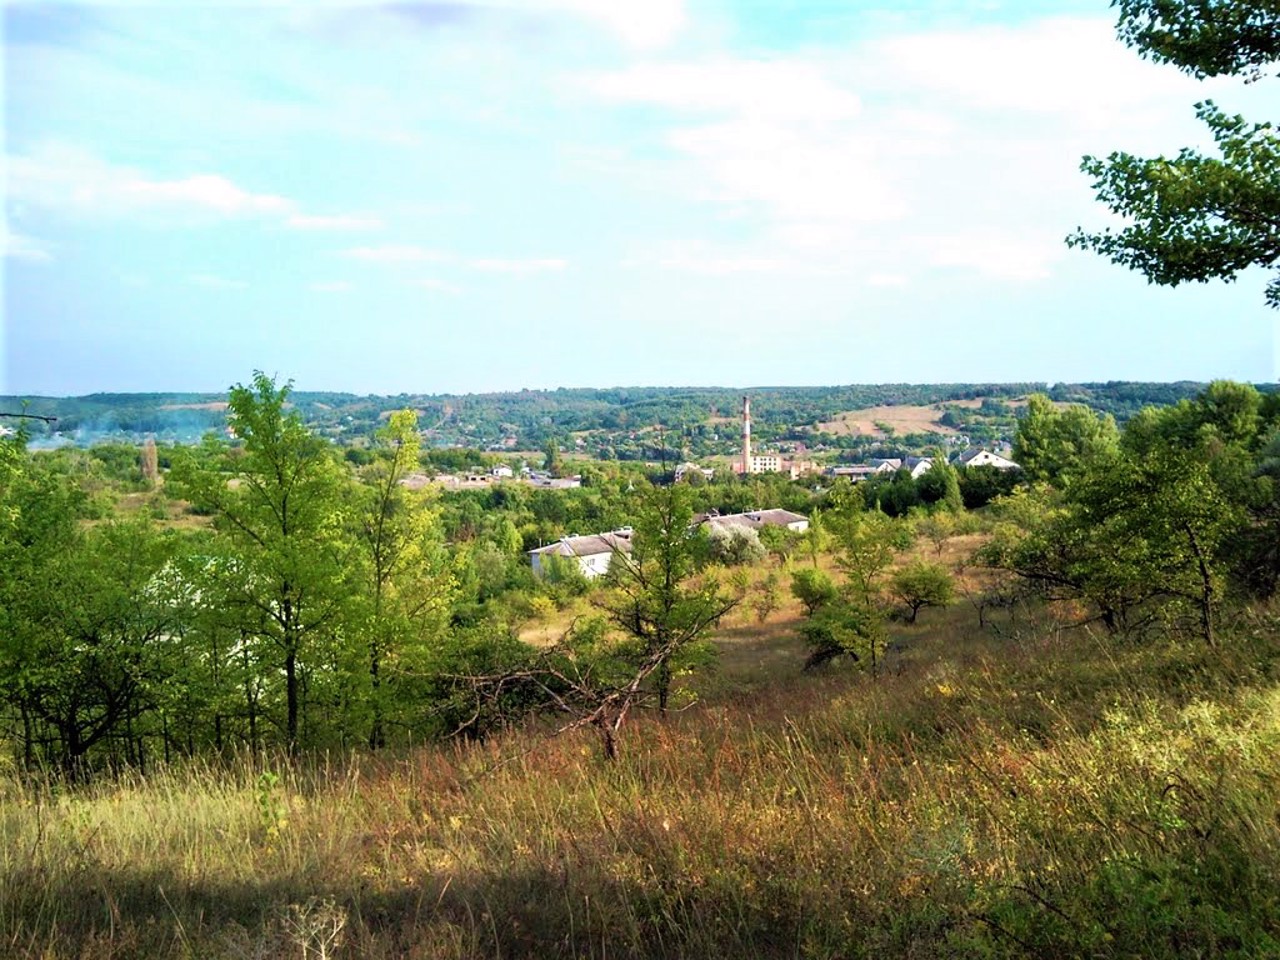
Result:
918,466
754,520
976,457
593,553
687,468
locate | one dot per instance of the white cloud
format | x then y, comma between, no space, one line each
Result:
723,266
20,247
643,24
412,253
886,280
437,286
396,253
543,265
792,174
71,181
956,149
782,135
1074,68
210,281
995,253
787,90
300,221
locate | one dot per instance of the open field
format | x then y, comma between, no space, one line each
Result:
903,419
1020,790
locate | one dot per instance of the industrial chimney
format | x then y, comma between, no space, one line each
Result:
746,435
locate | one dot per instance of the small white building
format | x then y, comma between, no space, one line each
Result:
594,553
918,466
754,520
502,472
977,457
685,469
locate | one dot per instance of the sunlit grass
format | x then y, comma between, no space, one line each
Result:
1031,792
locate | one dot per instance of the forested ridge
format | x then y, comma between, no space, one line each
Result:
531,417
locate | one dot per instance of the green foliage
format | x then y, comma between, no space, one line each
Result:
939,486
1139,538
866,543
922,584
1052,444
278,508
1206,38
655,598
980,485
404,585
767,597
853,629
552,462
734,547
814,588
1196,217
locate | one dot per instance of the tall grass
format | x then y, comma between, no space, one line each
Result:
1035,794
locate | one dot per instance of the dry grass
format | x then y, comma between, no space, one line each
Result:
903,419
209,405
1026,792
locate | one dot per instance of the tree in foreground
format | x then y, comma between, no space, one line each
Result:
847,620
657,597
657,611
276,502
1194,217
404,587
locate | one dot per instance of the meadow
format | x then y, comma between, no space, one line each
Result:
1023,788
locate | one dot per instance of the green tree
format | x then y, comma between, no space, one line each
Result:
814,588
405,586
1206,38
276,503
1195,217
1139,539
656,598
866,542
939,486
735,547
86,635
922,584
1054,444
553,462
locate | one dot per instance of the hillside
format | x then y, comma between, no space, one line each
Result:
607,424
1014,790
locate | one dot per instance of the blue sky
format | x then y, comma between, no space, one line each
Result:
496,194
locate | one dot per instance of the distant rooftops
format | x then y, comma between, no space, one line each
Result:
590,545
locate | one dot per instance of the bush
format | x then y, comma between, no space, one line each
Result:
814,588
922,584
735,547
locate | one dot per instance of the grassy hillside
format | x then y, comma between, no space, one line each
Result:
1022,789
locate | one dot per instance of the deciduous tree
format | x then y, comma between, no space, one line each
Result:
278,506
1195,217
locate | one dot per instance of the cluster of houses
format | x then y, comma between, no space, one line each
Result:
595,552
972,457
480,477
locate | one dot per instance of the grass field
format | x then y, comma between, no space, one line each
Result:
1019,790
902,419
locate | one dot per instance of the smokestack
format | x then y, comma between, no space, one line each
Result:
746,435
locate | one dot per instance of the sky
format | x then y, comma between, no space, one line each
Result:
476,195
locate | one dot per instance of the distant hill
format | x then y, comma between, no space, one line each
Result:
607,422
